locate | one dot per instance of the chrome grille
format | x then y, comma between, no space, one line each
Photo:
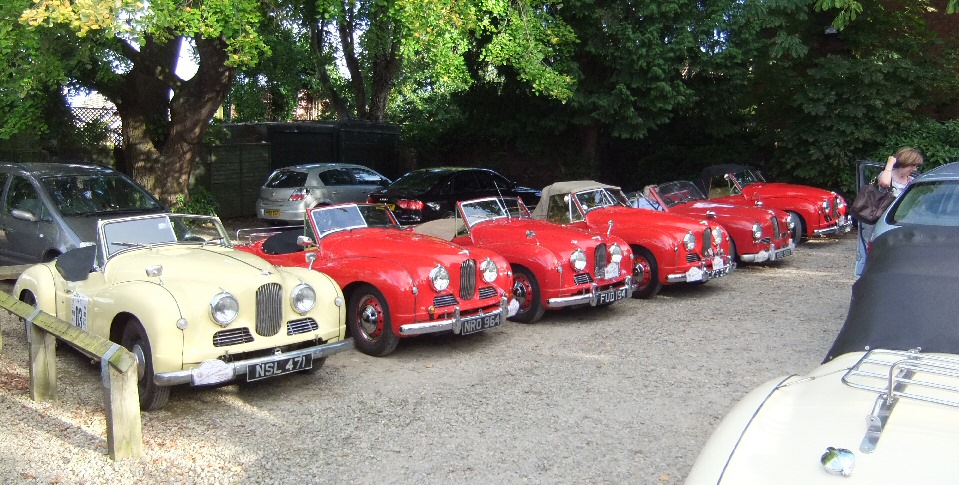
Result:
582,278
707,240
269,309
692,257
233,336
487,292
600,261
467,279
444,300
302,325
775,222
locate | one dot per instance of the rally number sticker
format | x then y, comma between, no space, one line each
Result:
80,304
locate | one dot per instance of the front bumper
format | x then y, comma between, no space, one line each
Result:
720,267
216,371
454,324
594,296
773,254
843,225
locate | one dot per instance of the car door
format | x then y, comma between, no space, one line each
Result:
338,184
23,214
866,171
365,182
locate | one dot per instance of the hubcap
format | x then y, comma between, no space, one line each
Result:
369,318
641,273
137,352
522,290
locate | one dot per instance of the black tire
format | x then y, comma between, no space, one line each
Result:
799,228
317,365
526,292
135,340
28,298
369,321
733,256
646,282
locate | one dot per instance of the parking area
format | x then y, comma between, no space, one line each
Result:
624,394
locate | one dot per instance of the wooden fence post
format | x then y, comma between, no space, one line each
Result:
124,428
43,363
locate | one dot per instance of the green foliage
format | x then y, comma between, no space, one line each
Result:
201,201
848,10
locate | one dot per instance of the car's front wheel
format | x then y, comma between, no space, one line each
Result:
799,228
136,341
368,317
645,274
526,292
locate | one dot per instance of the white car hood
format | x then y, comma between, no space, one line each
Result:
805,415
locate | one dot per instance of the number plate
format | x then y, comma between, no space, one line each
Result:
279,367
478,324
610,296
271,213
782,253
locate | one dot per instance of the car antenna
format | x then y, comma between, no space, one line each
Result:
499,194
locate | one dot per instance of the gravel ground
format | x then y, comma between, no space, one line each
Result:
624,394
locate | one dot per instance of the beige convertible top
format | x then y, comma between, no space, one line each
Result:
567,187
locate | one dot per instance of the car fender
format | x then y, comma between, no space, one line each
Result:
39,280
659,242
721,445
541,261
811,212
329,297
392,280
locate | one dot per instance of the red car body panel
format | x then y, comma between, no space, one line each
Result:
398,263
773,243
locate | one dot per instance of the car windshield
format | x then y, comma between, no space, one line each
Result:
81,195
476,211
350,216
601,197
748,176
117,235
286,179
418,180
674,193
933,203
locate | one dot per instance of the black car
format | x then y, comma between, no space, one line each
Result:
431,193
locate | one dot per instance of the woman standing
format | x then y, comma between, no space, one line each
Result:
900,169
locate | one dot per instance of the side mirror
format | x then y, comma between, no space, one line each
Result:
310,258
24,215
305,241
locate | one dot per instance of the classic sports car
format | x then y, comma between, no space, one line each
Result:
553,266
895,363
815,212
667,248
398,284
171,289
758,234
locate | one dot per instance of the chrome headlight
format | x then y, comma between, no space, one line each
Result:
615,253
440,278
303,298
224,308
757,231
489,270
578,260
689,241
717,236
825,206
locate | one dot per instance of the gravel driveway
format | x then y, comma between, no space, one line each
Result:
625,394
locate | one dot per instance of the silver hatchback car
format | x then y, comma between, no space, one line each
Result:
290,191
47,209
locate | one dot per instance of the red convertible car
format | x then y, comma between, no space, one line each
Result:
815,212
553,266
758,234
397,283
667,248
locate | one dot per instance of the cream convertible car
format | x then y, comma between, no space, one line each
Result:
884,406
171,288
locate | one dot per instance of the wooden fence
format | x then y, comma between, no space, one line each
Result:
118,370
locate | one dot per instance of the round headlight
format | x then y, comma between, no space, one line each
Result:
303,298
689,241
717,236
578,260
825,206
440,278
489,270
224,308
615,253
757,231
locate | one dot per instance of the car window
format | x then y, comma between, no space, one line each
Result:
492,181
286,179
721,186
933,203
562,210
466,182
336,176
367,177
95,194
137,232
22,196
418,181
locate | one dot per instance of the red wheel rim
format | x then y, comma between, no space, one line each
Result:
369,315
641,264
523,291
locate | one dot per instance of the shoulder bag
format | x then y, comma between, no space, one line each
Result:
871,201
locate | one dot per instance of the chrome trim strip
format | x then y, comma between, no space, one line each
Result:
843,225
449,324
592,298
239,368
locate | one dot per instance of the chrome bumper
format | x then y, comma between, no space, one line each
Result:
454,324
592,298
843,225
700,273
772,255
219,371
